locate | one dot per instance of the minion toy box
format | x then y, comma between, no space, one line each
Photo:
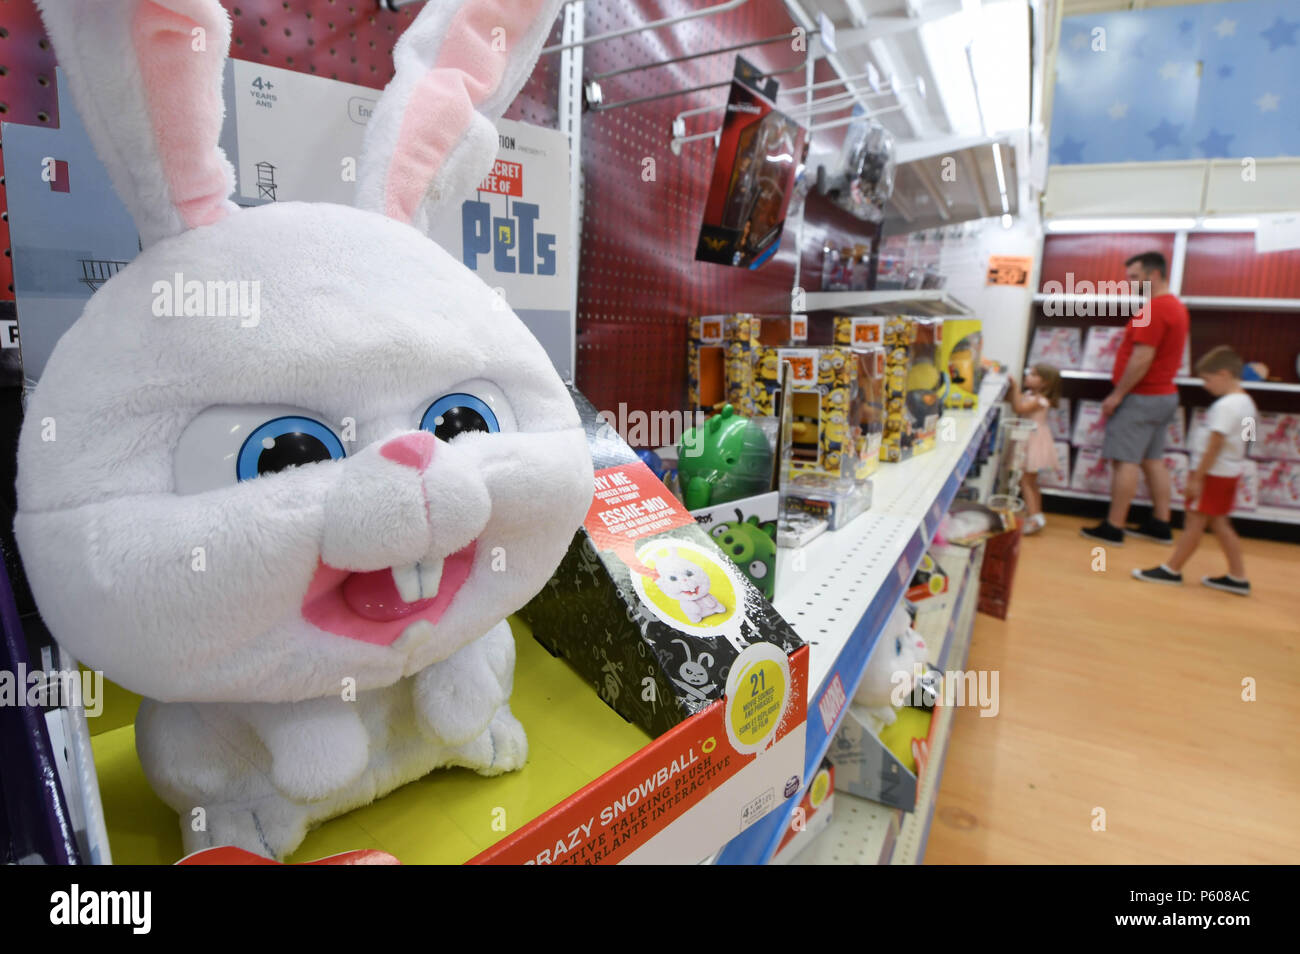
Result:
720,362
915,386
960,357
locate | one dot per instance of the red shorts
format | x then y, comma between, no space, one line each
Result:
1217,496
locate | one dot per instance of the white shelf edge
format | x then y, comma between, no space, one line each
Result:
935,302
1266,514
1225,302
1185,381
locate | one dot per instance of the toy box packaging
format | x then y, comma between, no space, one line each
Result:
1177,463
1058,420
826,408
1247,499
1100,348
646,607
1059,347
811,817
720,353
1059,476
930,579
745,530
914,386
851,331
760,151
1091,472
1279,483
1089,425
834,500
1176,432
1277,437
960,358
877,761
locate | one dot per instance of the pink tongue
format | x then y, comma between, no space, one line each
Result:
374,596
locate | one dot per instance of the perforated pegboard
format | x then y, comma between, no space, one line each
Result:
638,280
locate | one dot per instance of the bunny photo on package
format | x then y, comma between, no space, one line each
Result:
298,538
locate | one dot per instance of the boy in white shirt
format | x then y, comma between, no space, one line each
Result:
1212,485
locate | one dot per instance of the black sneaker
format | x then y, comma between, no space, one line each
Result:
1159,574
1227,583
1106,532
1152,529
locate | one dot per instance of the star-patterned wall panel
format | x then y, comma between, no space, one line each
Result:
1215,80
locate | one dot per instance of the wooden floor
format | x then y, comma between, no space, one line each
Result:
1127,697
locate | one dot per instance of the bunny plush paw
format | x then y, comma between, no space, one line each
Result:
456,699
501,748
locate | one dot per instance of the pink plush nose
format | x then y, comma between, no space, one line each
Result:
411,450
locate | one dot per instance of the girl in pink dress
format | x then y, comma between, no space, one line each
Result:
1042,390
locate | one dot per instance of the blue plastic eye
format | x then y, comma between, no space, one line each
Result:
454,414
285,442
898,646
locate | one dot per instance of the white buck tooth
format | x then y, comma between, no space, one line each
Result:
430,577
407,580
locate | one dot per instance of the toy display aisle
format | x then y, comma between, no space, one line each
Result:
531,433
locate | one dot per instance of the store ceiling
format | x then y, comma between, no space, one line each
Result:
966,104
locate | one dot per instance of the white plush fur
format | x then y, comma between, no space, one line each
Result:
96,51
195,599
896,652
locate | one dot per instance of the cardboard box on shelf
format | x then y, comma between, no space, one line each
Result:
1247,499
914,386
1091,472
1058,419
1277,437
1177,463
745,531
1279,483
1100,347
1089,425
811,817
960,358
1060,347
1059,477
646,607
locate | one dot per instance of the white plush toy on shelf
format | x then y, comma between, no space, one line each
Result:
297,536
899,649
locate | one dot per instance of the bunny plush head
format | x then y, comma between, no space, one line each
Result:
680,578
357,472
898,650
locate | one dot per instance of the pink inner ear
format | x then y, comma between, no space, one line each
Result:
185,108
442,104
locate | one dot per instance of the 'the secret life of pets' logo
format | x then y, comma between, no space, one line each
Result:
512,239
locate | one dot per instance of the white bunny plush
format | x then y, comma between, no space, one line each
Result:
897,651
297,536
685,581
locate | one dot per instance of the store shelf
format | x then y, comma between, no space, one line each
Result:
1188,382
1277,514
840,589
863,832
909,849
934,301
1209,302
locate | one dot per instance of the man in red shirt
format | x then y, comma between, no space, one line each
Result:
1142,403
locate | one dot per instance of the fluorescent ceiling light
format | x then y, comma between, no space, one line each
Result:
1120,225
997,167
1230,223
998,35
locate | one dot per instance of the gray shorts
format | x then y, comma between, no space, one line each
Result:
1136,431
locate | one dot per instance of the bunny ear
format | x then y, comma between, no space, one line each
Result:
432,139
146,76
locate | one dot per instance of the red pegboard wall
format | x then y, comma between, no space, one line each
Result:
638,279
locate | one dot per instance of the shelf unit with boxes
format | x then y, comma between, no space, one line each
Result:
1235,296
843,586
